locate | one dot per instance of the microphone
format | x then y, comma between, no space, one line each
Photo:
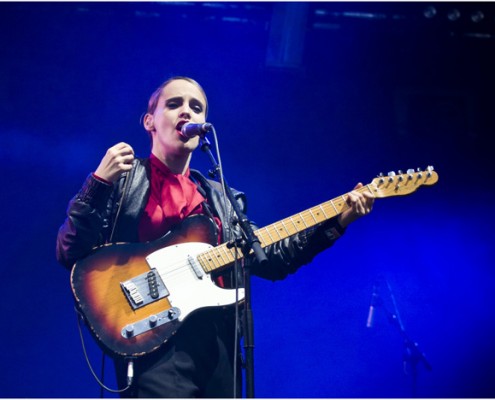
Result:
373,304
190,130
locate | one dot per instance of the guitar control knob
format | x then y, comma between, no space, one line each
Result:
172,313
153,319
129,330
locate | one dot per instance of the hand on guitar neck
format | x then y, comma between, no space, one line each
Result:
360,204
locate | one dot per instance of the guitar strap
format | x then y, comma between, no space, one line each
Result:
206,207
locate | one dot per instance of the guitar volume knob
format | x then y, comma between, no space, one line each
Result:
153,319
129,330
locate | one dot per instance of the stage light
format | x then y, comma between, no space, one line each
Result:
477,16
430,12
454,14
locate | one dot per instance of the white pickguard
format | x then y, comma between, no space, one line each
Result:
188,292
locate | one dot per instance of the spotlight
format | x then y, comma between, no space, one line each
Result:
477,16
454,14
430,12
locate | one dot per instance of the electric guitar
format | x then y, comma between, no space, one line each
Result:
135,296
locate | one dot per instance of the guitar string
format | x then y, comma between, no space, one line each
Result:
214,256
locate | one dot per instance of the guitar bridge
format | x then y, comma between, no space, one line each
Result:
144,289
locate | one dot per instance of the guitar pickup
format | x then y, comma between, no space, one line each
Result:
144,289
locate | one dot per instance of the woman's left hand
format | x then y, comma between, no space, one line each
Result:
360,203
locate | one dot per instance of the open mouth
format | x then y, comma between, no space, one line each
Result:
179,126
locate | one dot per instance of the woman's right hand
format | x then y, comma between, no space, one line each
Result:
118,159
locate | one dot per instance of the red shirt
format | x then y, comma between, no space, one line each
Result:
173,197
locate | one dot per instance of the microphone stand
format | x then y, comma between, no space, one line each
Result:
412,354
249,242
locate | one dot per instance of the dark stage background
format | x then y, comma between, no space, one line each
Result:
308,99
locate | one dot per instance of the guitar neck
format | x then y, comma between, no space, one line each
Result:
222,256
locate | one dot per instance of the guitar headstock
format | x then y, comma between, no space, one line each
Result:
403,183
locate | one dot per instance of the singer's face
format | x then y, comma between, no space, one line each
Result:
179,102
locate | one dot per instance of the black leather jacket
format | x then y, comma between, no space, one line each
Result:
102,213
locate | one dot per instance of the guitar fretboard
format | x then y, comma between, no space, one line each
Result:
222,256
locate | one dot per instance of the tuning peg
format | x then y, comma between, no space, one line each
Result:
429,168
419,173
391,175
410,173
380,175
